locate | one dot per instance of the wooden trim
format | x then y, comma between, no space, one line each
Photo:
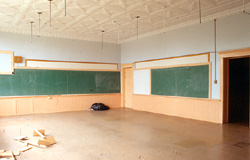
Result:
224,77
7,52
198,109
123,67
129,65
192,55
210,80
179,97
12,62
235,53
175,66
26,61
65,95
68,62
66,69
150,81
173,57
37,105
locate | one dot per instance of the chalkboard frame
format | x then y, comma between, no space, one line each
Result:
187,65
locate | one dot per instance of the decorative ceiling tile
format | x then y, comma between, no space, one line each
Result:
85,19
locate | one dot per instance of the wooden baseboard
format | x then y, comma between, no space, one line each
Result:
198,109
44,104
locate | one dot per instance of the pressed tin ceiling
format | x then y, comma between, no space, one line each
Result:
85,19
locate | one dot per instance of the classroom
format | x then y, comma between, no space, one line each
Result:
174,74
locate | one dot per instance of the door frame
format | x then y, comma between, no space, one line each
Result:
224,77
123,67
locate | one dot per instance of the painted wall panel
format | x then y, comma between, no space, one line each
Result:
173,61
142,82
5,62
72,65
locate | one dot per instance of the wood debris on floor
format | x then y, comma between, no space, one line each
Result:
39,140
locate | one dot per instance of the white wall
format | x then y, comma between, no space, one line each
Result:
232,33
46,48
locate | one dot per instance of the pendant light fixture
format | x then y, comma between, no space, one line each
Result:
31,34
137,27
39,14
50,12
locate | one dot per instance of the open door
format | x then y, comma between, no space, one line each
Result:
238,97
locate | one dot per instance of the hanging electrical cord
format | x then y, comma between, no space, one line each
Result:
244,8
102,38
137,28
200,10
50,12
118,38
39,14
164,17
31,25
65,7
215,51
118,31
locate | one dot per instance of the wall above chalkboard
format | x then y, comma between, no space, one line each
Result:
30,82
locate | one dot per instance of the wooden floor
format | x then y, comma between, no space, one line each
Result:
124,134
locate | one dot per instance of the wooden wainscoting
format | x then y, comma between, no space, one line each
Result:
192,108
58,103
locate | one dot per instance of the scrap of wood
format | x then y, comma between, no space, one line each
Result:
40,133
47,141
12,155
20,138
31,143
43,142
8,154
1,151
51,139
25,149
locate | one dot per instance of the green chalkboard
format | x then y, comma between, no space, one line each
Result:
190,81
29,82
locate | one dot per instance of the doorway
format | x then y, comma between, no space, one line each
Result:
238,95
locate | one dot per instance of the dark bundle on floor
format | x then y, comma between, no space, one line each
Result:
99,107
